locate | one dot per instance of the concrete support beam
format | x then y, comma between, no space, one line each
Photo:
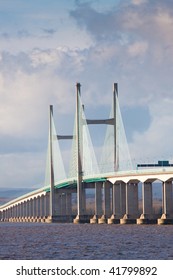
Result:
58,202
42,206
63,203
147,200
27,208
106,203
37,207
147,205
167,198
69,203
83,200
116,204
47,204
131,204
98,203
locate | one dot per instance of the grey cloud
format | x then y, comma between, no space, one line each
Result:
49,31
96,23
5,35
23,33
125,20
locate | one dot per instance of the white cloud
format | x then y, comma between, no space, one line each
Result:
139,2
138,48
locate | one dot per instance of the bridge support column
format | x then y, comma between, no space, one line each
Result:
31,209
27,211
38,209
167,216
20,211
2,216
11,213
24,210
8,215
14,212
47,204
42,208
98,203
81,217
147,205
43,211
60,203
106,203
5,215
116,204
63,204
69,204
131,204
34,210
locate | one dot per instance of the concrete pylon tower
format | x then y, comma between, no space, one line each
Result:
52,181
115,96
80,218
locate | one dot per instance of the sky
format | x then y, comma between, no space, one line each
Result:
46,46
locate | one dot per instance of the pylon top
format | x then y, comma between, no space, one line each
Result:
115,88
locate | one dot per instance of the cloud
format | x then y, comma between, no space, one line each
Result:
139,2
138,48
23,33
49,31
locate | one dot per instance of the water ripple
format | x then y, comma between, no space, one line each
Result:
79,242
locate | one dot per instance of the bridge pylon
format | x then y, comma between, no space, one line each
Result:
52,178
80,218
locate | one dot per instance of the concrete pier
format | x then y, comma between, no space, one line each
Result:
147,216
118,205
167,198
106,203
98,203
131,204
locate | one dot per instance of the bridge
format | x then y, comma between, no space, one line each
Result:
113,182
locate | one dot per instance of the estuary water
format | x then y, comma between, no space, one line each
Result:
37,241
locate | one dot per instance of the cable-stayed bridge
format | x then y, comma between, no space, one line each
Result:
112,179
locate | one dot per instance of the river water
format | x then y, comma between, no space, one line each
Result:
37,241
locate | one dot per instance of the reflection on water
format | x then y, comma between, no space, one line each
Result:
68,241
